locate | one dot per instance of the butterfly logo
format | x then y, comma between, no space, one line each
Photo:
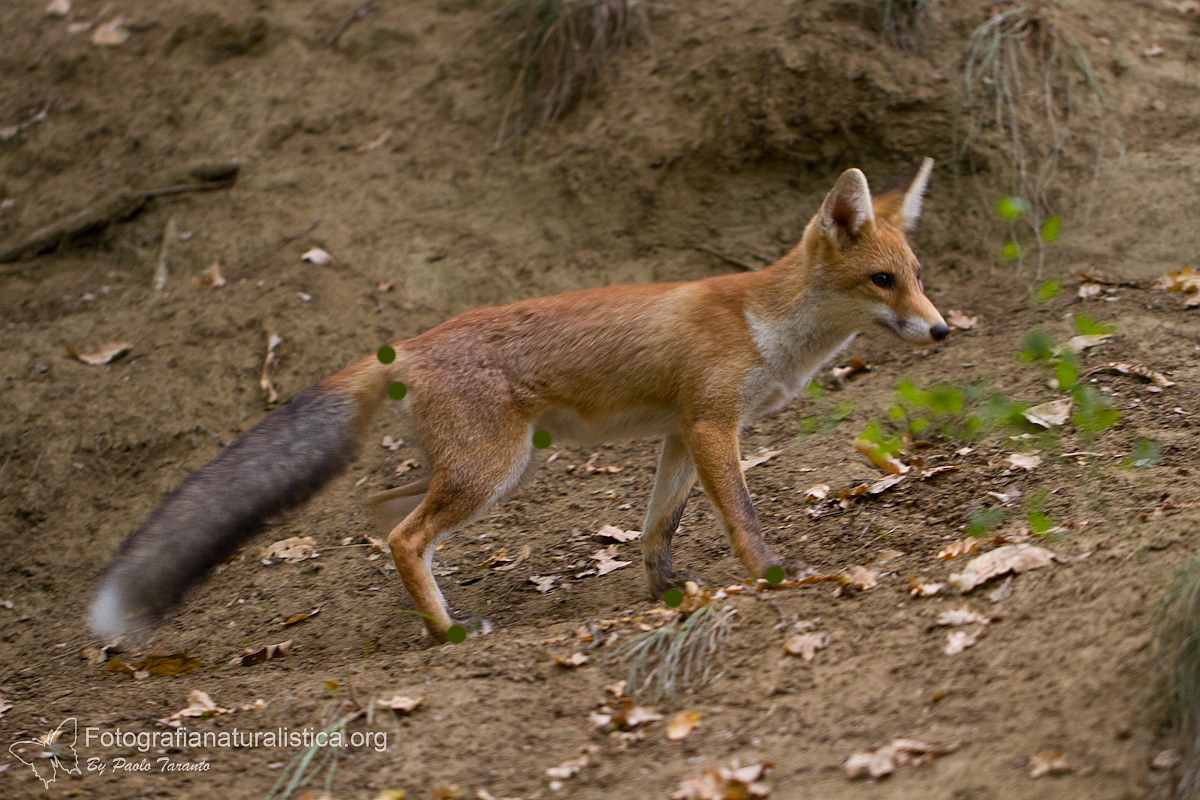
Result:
48,754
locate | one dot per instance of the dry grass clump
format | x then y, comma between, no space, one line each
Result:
677,656
1028,87
1177,654
564,47
905,22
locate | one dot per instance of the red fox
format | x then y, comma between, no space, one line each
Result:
689,362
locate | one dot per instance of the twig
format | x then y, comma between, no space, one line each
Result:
354,17
118,207
160,272
193,187
737,262
13,130
289,239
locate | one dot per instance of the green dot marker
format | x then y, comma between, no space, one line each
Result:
397,390
673,598
387,354
457,634
775,575
541,439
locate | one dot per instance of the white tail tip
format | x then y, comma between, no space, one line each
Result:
107,618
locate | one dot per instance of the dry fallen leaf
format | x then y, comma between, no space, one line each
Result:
400,703
962,547
543,584
817,492
896,753
1089,290
754,461
392,444
291,550
732,782
571,661
959,320
1166,759
1077,344
1185,280
249,657
103,354
805,645
883,484
111,33
156,662
567,769
606,559
1048,762
1157,380
1026,461
957,641
859,576
300,617
1049,415
924,589
885,461
961,616
199,705
933,472
211,277
371,145
1009,558
616,534
682,725
58,8
590,467
317,256
525,553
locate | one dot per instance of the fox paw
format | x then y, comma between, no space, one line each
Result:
474,625
798,569
659,584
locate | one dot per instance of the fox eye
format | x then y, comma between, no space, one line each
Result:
884,280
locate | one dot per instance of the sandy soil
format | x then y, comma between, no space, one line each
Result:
717,135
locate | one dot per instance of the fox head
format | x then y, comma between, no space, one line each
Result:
861,258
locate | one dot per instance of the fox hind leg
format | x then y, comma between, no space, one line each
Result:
673,482
456,493
389,508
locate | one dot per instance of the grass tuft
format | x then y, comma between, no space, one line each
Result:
564,48
1029,83
1177,654
677,656
905,22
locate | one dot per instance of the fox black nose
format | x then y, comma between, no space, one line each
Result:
939,331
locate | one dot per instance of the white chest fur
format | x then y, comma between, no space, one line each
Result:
793,348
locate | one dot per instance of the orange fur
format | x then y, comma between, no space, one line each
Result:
689,363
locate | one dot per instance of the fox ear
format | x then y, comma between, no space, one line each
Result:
847,209
900,204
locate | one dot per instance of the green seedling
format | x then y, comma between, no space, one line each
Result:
1145,454
984,521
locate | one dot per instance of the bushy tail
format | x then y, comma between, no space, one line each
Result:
277,464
